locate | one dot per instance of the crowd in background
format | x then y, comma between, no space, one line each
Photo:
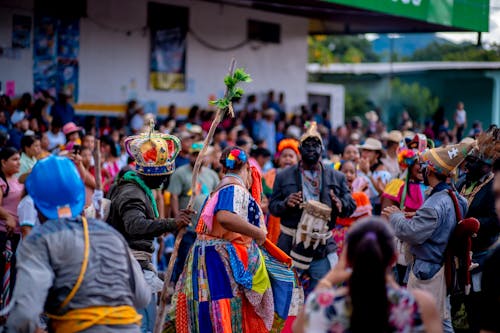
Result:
372,157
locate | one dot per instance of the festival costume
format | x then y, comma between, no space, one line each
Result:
408,195
481,204
363,209
273,222
133,210
315,185
429,231
226,286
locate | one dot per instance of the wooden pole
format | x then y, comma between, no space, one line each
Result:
160,317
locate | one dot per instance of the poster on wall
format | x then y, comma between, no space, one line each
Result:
55,55
21,31
168,59
167,65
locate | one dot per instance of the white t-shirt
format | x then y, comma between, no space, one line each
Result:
56,139
460,117
27,213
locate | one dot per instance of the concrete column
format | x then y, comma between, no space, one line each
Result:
495,105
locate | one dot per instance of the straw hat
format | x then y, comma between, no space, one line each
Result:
394,136
443,160
371,144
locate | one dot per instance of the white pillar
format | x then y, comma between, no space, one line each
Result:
495,107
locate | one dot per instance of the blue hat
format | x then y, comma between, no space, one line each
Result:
56,188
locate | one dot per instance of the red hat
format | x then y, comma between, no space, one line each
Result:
70,128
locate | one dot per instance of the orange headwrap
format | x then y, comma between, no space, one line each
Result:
256,189
292,144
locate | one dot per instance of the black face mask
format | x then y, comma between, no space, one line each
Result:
310,151
474,170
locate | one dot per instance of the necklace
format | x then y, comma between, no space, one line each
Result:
240,180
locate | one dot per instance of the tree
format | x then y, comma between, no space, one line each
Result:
417,100
325,49
455,52
356,103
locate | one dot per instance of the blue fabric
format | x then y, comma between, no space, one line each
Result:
182,254
205,323
241,276
195,254
282,280
148,316
225,200
218,281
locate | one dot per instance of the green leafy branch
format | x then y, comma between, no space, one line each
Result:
233,91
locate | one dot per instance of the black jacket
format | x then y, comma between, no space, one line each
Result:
289,181
482,208
132,215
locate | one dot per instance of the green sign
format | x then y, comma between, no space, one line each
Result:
470,15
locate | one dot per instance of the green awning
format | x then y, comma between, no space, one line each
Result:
470,15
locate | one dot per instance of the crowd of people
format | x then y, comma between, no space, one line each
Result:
294,224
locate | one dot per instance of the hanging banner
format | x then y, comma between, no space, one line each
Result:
55,55
21,31
168,59
167,65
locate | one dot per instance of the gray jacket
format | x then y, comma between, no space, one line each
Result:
428,231
48,265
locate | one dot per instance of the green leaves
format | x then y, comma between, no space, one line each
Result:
231,82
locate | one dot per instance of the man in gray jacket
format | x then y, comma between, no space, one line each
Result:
430,229
81,273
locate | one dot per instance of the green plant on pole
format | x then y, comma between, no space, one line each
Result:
223,105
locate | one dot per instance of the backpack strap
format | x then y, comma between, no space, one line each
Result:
458,213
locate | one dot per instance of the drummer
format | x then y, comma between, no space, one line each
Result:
305,181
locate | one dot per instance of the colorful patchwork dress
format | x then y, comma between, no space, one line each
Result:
225,285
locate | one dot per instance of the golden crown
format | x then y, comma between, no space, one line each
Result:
154,152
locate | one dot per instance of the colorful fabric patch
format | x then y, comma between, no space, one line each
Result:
204,318
218,281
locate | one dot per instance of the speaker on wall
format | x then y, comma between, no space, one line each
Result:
266,32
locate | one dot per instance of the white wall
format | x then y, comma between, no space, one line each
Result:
113,65
19,70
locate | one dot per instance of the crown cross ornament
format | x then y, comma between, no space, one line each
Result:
154,152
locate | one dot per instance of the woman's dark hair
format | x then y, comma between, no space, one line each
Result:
27,141
5,154
238,162
106,139
370,251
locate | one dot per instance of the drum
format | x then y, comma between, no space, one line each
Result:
311,232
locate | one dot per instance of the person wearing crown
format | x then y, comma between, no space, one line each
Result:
429,231
307,181
133,210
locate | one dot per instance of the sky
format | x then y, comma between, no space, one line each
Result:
489,37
